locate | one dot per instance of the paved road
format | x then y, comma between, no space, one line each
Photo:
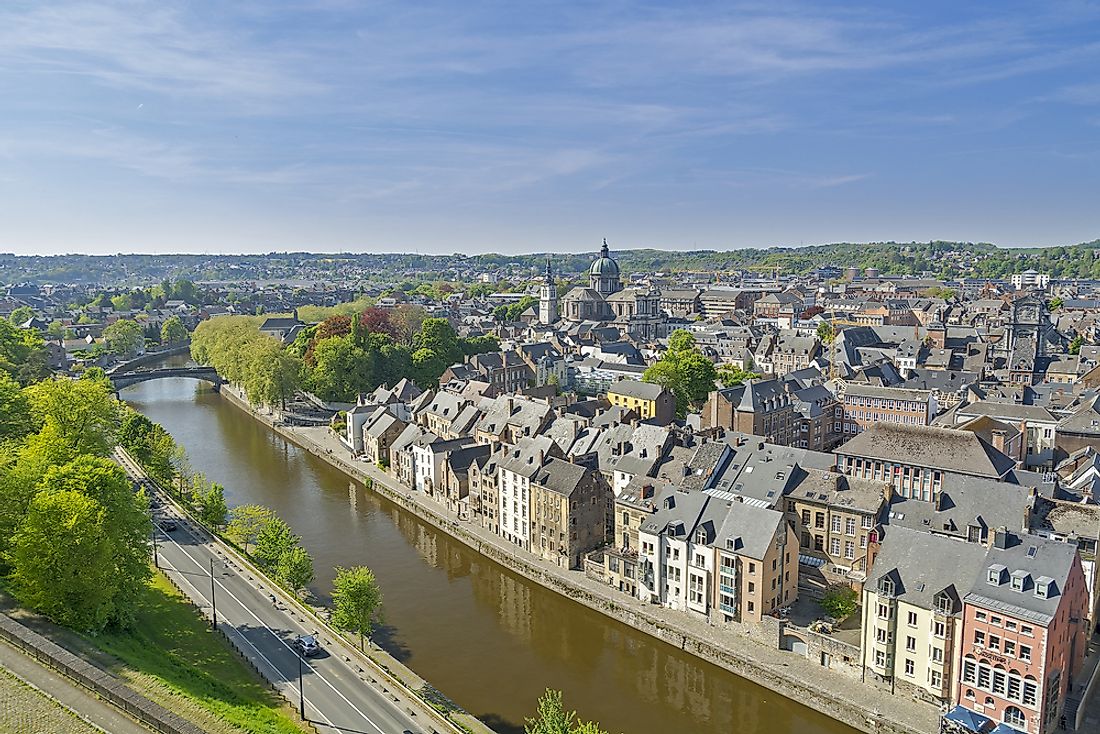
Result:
85,704
337,698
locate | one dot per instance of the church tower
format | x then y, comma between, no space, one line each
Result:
603,276
548,297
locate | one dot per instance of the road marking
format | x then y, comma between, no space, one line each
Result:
281,642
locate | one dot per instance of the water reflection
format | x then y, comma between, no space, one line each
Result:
485,637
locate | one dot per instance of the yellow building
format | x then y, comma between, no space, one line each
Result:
649,401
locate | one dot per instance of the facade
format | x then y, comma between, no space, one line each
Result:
865,405
548,298
1024,632
758,407
1030,279
568,508
651,402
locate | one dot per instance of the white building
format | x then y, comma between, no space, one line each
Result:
1030,279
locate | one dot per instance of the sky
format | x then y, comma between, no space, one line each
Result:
483,126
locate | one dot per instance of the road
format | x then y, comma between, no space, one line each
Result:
339,694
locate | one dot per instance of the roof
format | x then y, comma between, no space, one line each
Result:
1038,558
866,390
965,502
948,449
560,476
921,565
637,389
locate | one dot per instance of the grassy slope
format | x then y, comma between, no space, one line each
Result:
172,657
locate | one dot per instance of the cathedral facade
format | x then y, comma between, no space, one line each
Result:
636,311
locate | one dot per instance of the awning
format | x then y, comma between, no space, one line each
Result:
1005,729
968,720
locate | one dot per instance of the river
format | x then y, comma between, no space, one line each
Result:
486,638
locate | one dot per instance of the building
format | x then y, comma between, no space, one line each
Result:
912,613
760,407
793,353
1024,632
636,311
548,297
1030,279
866,405
651,402
516,468
568,512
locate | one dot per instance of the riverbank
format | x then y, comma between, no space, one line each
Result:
842,698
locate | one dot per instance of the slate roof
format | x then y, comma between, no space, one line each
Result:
1050,559
948,449
636,389
922,564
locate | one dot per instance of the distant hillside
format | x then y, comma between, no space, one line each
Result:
941,259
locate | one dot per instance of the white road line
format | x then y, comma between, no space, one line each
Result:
259,653
283,643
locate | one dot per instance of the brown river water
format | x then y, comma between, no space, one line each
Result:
487,638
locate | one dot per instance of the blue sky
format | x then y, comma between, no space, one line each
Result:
518,127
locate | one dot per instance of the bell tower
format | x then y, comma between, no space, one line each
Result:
548,297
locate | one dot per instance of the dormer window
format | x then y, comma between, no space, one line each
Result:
996,574
701,536
886,586
1044,587
1020,580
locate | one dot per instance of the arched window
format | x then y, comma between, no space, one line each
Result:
1015,717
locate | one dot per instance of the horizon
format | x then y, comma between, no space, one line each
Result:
322,126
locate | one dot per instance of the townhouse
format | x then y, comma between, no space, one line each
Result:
865,405
651,402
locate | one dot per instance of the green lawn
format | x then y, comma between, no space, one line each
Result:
172,657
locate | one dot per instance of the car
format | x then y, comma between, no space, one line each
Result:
168,525
307,645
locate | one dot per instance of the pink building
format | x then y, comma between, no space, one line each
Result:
1024,632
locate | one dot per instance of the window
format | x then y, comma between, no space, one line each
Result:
1030,690
863,541
1025,653
995,643
1026,630
909,667
937,679
865,521
1015,718
937,654
911,644
880,659
850,526
819,520
980,616
1010,647
836,523
939,629
752,568
883,611
834,547
979,638
806,518
881,635
849,549
911,619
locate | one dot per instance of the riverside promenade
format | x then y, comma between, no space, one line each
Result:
843,698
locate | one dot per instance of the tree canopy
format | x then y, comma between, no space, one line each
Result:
356,601
684,371
124,337
172,332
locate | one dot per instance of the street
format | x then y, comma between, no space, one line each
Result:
339,695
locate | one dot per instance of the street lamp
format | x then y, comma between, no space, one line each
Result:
301,691
213,601
156,555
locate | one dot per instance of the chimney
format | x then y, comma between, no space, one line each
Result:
647,491
1000,538
998,435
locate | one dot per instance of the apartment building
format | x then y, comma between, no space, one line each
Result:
865,405
568,508
1024,632
794,353
651,402
516,468
758,407
912,613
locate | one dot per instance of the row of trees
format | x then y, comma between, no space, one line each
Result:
269,541
234,346
74,536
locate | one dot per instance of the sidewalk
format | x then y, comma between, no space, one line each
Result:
1091,720
85,705
878,708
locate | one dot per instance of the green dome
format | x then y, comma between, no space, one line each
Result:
604,266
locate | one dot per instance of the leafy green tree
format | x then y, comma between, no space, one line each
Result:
173,332
1076,344
840,601
439,336
56,330
22,353
826,332
356,601
294,569
480,344
273,541
61,561
124,337
552,718
730,376
15,410
512,311
81,413
684,371
212,508
272,375
245,524
122,302
21,315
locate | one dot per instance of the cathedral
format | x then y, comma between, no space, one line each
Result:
636,311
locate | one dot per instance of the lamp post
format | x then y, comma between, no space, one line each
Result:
213,600
156,555
301,691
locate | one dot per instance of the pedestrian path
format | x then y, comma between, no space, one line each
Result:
97,713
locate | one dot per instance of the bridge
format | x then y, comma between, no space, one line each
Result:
133,377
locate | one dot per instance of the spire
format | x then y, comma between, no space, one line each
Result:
549,272
603,250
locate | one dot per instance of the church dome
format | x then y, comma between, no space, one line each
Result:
604,266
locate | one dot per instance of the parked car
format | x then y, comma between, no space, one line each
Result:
168,525
307,645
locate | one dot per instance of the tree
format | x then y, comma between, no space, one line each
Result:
124,337
15,411
439,336
272,375
61,561
295,569
356,601
212,509
552,718
21,315
730,376
1075,344
684,371
840,601
245,524
1055,303
22,353
173,332
82,413
273,541
826,332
